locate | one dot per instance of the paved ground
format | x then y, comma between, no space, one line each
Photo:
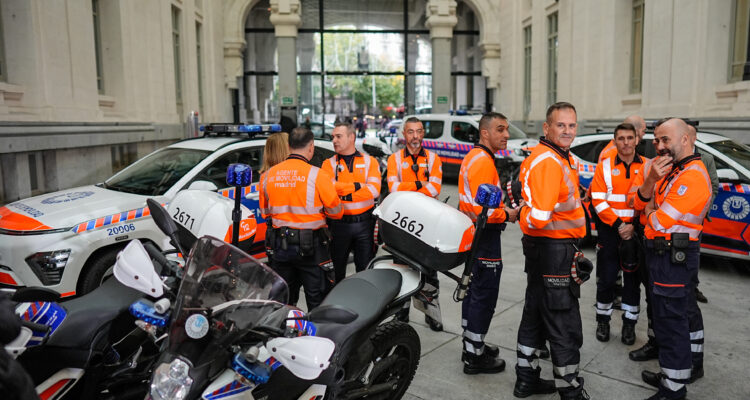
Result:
607,371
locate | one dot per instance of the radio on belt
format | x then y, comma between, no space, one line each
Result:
428,230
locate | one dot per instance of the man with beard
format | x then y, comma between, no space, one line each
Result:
552,220
416,169
675,197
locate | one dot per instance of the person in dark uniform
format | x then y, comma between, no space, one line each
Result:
299,197
357,181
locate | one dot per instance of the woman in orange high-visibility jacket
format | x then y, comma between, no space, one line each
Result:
357,180
610,186
675,197
298,197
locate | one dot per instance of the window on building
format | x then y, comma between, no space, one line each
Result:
176,51
739,67
526,71
96,11
636,49
123,155
552,58
199,55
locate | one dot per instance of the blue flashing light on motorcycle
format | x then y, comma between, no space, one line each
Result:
255,372
239,175
489,196
147,313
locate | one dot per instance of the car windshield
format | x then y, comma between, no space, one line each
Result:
733,150
515,132
157,172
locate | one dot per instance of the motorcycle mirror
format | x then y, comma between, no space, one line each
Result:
489,196
332,313
304,356
161,217
134,269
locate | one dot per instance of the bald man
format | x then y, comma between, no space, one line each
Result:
675,197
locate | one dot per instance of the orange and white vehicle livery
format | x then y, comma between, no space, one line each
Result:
67,240
728,231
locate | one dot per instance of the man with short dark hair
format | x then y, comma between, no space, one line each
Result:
299,197
477,309
552,220
417,169
614,176
357,181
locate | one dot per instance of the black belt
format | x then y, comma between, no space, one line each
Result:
292,235
365,216
545,239
663,243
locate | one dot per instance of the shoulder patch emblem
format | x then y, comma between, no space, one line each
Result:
615,172
682,190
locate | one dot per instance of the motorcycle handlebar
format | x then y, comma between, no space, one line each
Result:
160,259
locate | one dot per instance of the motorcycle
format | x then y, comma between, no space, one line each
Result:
232,335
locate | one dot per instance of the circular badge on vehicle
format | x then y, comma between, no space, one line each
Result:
736,207
66,197
196,326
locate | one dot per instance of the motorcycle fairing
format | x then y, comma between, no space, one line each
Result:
227,387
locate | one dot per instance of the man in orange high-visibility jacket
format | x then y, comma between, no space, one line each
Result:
675,197
610,150
478,307
612,182
357,180
299,197
416,169
552,220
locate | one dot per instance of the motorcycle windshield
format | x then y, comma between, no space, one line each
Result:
224,293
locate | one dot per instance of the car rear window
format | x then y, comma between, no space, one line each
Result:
157,172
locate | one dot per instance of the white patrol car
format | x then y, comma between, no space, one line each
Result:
453,136
67,240
727,234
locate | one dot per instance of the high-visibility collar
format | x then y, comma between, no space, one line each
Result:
348,161
565,154
676,169
298,157
486,149
636,160
414,157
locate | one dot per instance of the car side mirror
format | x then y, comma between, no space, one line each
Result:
489,196
203,185
727,174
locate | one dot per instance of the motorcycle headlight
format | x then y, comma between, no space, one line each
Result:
171,381
48,266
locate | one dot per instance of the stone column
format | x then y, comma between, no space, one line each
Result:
491,71
285,17
441,18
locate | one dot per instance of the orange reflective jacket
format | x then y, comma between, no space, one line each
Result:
403,178
682,199
298,195
609,151
478,167
549,177
362,182
610,187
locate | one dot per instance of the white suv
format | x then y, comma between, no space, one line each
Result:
67,240
453,136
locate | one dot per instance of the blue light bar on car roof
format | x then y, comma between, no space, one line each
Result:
239,128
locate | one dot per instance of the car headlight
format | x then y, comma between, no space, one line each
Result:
171,381
49,265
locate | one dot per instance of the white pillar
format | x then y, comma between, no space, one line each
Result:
285,17
441,18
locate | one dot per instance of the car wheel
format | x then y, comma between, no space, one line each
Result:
98,269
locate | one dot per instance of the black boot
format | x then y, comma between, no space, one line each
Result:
434,324
483,364
649,351
695,374
541,386
652,378
602,331
580,395
628,333
489,349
